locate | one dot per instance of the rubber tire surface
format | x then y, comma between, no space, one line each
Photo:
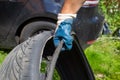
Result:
23,62
34,28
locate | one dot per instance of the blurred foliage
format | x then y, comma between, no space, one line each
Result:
111,10
104,57
3,54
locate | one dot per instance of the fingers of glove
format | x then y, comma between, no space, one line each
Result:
67,43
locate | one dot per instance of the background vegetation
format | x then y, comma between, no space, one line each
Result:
104,58
111,10
104,54
2,56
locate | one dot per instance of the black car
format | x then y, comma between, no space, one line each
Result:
22,19
16,15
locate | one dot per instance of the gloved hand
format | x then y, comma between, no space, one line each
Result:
63,32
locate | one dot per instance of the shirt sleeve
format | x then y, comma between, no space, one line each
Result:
90,3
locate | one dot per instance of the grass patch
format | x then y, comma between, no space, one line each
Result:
3,54
104,57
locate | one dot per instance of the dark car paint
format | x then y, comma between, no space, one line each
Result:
8,13
15,14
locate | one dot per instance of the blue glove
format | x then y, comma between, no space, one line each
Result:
64,33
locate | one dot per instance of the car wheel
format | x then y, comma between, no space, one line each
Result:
25,61
35,28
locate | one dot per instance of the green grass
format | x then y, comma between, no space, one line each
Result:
103,56
2,56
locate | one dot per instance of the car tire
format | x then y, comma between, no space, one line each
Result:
35,28
23,62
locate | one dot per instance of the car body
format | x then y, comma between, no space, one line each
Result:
15,14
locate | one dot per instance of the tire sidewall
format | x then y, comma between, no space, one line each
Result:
34,27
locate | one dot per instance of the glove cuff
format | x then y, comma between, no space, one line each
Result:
62,17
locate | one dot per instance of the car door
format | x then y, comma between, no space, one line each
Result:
9,10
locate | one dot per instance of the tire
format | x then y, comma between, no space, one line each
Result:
23,62
35,28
